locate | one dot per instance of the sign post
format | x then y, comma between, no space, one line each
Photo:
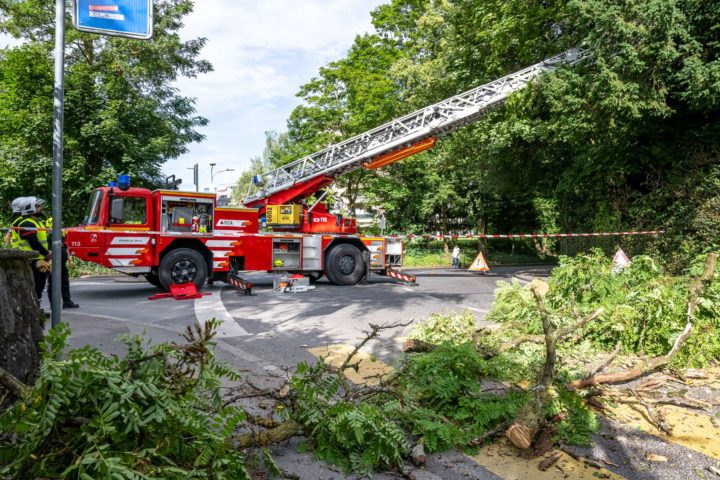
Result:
125,18
58,118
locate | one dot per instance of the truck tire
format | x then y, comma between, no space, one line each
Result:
344,265
183,265
153,279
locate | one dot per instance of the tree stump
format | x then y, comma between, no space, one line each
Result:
21,320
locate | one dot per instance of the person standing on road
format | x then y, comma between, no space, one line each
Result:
13,235
33,236
456,257
64,273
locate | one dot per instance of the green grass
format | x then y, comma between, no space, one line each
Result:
81,268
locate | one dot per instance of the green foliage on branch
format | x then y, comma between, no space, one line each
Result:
645,308
155,413
356,436
444,327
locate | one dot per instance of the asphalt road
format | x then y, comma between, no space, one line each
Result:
271,330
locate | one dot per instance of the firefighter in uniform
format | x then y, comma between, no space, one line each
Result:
33,236
13,236
64,274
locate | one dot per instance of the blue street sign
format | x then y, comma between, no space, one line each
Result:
125,18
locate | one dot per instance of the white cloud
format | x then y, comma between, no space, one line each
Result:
262,52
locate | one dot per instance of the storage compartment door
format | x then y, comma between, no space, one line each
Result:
312,253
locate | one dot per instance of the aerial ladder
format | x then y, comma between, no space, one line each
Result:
277,192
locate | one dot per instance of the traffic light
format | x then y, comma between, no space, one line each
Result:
196,178
171,183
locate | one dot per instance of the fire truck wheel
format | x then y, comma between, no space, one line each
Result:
153,279
344,265
183,265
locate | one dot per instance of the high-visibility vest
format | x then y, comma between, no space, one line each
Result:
15,233
39,231
48,225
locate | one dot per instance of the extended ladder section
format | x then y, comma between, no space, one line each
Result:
430,122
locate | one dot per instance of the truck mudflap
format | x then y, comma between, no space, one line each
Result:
403,277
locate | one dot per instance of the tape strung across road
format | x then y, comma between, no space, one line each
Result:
211,306
540,235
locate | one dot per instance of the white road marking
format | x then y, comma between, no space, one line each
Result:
475,309
211,306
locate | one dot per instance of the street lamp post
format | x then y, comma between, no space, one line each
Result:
212,175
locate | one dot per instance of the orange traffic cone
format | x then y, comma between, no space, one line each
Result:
479,264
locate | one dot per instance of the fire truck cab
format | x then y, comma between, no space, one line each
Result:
165,235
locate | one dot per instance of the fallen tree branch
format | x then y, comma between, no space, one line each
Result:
419,346
602,365
373,333
550,461
531,416
282,432
653,417
658,362
560,333
12,383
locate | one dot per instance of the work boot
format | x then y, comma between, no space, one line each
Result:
70,304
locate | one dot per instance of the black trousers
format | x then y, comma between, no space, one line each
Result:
64,279
39,278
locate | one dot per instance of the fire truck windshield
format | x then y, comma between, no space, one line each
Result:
93,214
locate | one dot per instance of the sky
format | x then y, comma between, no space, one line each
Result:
262,52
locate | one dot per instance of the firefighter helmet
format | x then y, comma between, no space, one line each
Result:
31,205
278,263
17,204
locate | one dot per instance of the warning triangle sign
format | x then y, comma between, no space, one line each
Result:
620,260
479,264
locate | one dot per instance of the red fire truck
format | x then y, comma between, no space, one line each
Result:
180,237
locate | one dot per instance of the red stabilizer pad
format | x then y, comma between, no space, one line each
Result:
181,291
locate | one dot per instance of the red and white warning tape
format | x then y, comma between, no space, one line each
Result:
541,235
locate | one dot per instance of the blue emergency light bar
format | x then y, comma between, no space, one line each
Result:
124,182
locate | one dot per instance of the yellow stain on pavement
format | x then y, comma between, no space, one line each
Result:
369,370
506,461
690,429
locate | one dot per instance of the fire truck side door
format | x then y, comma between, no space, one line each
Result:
130,241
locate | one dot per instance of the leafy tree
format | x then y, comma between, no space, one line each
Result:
627,139
122,114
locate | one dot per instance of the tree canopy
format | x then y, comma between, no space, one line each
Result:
628,139
122,114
